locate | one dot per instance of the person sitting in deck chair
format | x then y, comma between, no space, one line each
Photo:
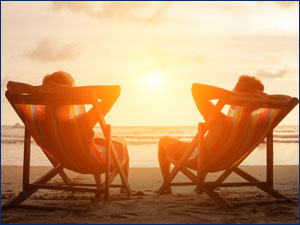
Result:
59,81
202,94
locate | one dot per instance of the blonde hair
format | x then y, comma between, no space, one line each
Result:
59,77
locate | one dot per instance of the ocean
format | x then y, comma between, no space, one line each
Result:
143,145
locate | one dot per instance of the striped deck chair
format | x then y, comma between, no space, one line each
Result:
235,143
50,129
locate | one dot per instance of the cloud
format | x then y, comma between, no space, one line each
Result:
267,74
159,13
159,57
282,4
287,4
166,59
75,6
145,12
192,58
49,50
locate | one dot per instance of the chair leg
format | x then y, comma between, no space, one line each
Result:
62,173
264,187
200,159
209,191
222,178
107,132
199,188
23,195
65,177
120,170
125,168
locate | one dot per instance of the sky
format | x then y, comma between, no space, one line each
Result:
154,50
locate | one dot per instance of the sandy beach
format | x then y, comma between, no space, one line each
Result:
145,206
221,76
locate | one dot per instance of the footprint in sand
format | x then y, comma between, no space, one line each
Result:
192,211
139,193
180,214
170,206
7,196
192,216
203,204
117,216
13,219
131,214
124,204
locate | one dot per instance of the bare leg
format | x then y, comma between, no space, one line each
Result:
98,182
172,147
163,161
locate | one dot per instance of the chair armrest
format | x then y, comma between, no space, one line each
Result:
262,103
66,98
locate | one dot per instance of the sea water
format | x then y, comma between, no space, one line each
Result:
142,144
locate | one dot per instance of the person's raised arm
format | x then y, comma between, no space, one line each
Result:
22,88
108,94
202,95
278,97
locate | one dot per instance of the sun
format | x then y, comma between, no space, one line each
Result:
153,80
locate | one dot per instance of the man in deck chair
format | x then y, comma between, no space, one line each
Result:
59,81
247,86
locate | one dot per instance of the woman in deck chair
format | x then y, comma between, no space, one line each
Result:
60,81
202,94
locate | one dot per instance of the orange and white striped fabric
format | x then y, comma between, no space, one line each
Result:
239,136
62,133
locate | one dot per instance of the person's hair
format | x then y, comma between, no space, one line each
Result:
59,77
248,84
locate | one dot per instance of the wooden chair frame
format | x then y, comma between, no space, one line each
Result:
209,188
58,169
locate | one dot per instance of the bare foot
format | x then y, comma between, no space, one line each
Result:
196,189
168,191
97,198
123,190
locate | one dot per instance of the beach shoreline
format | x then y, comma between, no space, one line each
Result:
145,206
142,143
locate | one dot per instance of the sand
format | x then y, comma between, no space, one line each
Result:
145,206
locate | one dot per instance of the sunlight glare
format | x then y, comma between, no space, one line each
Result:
153,80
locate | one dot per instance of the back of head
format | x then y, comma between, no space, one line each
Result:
62,78
59,77
248,84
